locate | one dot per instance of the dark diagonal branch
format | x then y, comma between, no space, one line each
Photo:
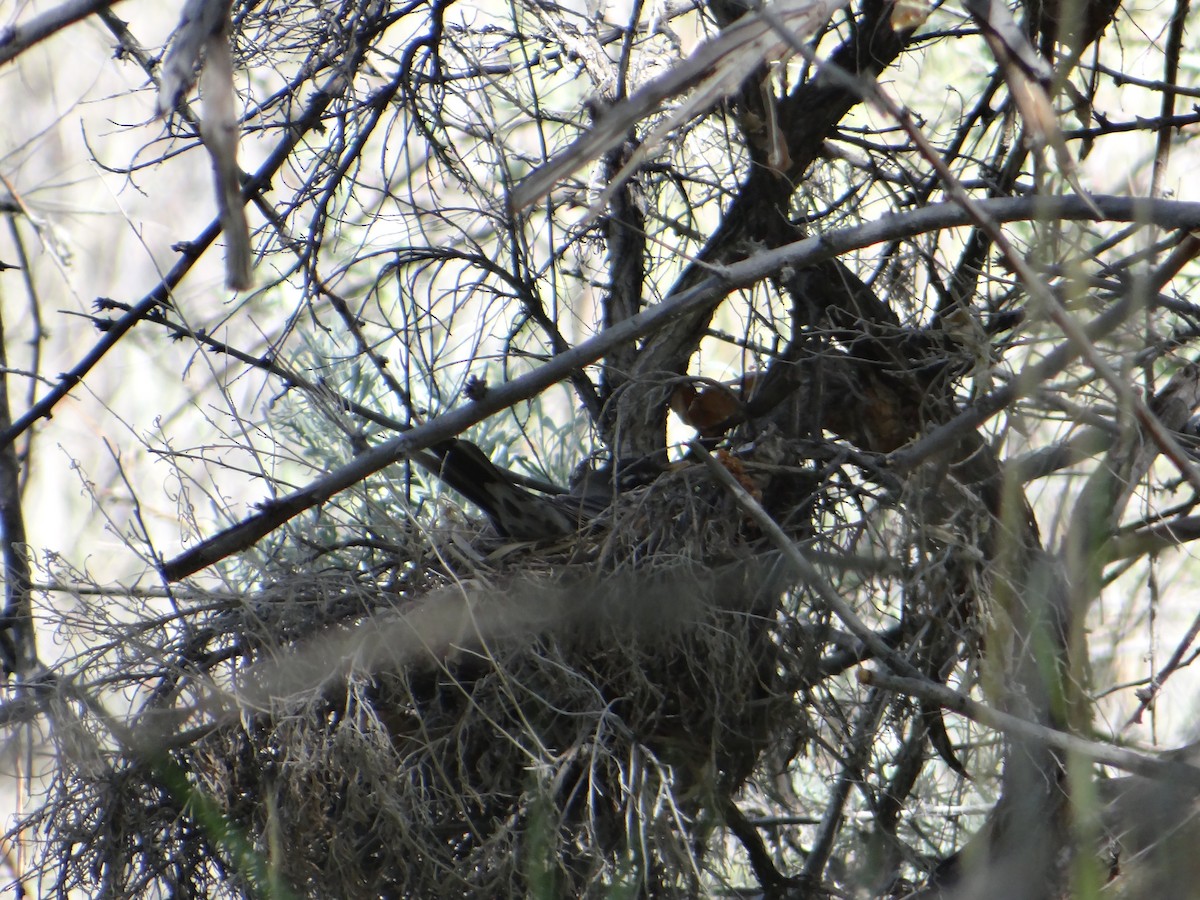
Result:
705,295
161,295
16,39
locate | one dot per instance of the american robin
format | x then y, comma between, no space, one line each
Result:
712,408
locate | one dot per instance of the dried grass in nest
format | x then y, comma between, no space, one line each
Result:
560,720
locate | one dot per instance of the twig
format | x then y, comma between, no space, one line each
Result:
769,877
804,568
1147,694
865,727
1117,757
161,293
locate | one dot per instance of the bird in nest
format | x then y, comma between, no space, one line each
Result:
525,515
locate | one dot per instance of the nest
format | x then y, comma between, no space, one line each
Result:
491,720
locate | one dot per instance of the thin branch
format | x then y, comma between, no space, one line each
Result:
1147,694
1127,760
161,294
804,568
16,39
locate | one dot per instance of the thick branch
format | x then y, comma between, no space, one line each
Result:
704,296
16,39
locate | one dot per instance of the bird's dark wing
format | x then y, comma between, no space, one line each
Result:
514,511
